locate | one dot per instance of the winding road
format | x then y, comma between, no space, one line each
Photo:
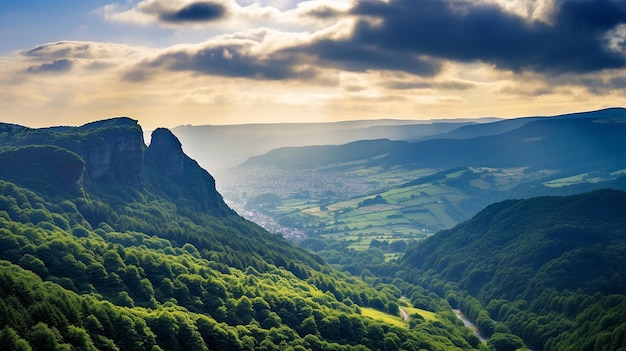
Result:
468,324
405,314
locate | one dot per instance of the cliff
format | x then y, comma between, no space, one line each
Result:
112,150
107,153
177,177
166,151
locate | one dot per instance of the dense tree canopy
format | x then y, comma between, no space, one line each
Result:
547,269
143,265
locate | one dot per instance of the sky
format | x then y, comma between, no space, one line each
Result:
167,63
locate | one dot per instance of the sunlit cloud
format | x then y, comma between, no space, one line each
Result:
326,60
531,10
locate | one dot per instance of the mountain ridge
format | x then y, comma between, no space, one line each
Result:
111,148
505,125
504,148
509,223
232,145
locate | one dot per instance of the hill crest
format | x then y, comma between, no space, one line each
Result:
534,240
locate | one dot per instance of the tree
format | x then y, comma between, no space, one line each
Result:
79,339
34,264
11,341
392,308
309,327
244,310
504,342
166,329
44,338
392,342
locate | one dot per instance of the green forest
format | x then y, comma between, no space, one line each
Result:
550,270
109,244
99,253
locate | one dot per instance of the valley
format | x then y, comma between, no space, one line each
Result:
111,244
313,175
363,192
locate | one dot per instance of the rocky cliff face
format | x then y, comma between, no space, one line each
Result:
166,151
113,150
173,174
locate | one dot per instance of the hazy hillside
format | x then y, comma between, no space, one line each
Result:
325,156
506,125
552,269
220,147
559,144
562,143
106,244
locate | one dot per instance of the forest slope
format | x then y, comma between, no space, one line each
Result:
106,244
548,267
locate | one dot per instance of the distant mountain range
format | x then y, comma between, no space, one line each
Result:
220,147
589,141
437,181
109,244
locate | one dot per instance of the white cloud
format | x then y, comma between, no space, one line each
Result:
616,39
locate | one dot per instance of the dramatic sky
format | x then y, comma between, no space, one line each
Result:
173,62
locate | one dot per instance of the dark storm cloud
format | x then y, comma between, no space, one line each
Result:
618,83
355,56
599,86
224,60
195,12
574,41
300,63
58,66
418,37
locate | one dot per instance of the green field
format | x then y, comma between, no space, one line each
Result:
409,212
589,177
384,317
397,320
412,204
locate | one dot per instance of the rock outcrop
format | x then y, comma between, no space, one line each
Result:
113,150
176,176
166,151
